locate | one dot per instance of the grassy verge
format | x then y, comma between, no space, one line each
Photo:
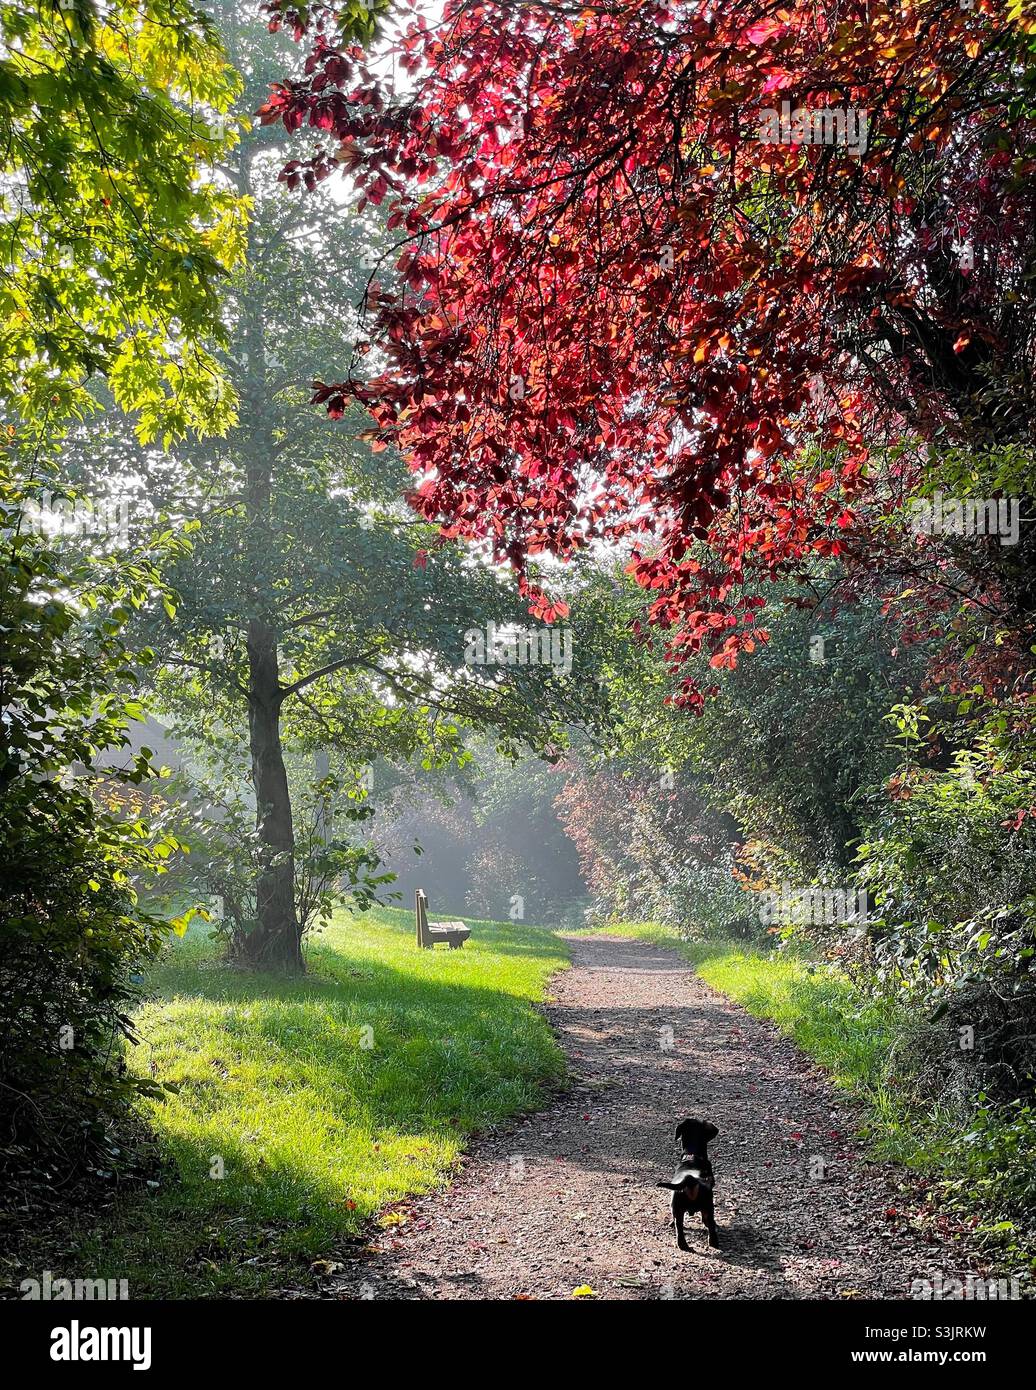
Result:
320,1100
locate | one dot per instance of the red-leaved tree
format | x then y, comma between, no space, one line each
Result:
643,297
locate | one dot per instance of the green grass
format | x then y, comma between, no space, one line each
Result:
325,1098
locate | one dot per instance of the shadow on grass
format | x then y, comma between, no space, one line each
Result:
300,1108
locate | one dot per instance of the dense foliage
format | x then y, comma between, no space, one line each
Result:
74,845
627,312
635,308
592,346
114,240
116,236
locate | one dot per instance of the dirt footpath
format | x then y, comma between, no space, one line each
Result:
566,1199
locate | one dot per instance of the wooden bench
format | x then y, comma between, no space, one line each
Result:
429,934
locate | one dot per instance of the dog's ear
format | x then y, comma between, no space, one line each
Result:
710,1131
680,1128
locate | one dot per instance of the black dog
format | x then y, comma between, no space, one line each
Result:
693,1182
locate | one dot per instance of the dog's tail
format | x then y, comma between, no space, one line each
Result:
687,1182
674,1186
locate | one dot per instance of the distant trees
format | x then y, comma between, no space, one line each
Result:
485,840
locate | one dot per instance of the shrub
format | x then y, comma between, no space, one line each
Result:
72,931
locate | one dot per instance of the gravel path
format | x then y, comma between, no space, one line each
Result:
566,1198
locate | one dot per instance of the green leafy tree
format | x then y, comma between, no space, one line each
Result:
315,611
116,232
116,235
767,781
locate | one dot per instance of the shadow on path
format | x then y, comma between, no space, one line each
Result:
567,1197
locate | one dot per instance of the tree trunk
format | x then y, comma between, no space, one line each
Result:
276,942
